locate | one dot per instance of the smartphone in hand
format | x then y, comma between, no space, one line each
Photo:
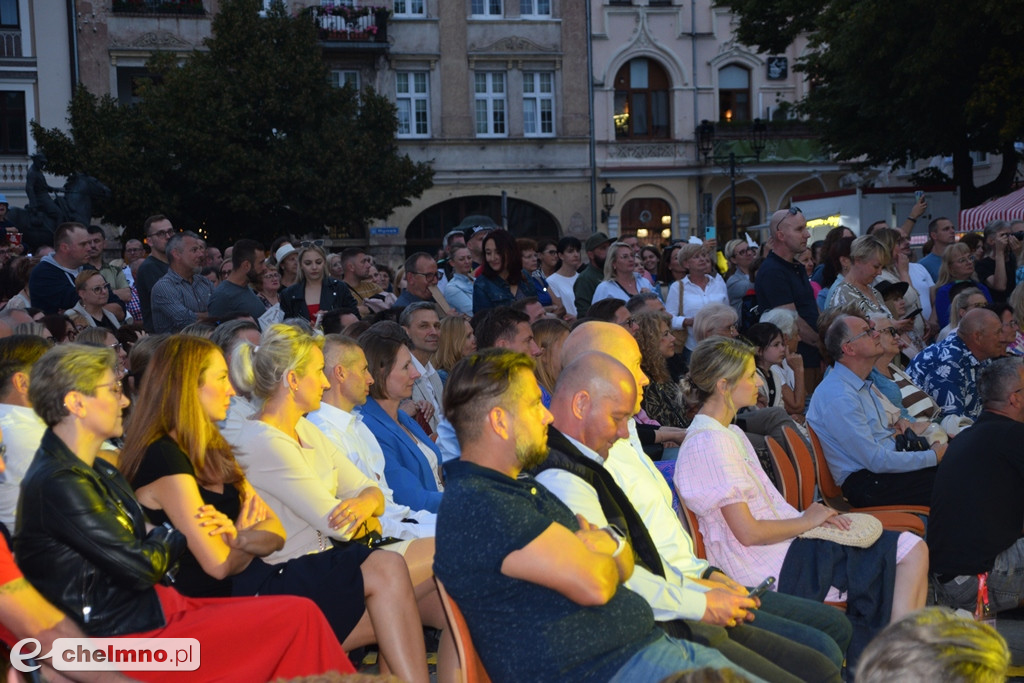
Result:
760,589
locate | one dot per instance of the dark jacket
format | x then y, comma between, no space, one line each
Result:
491,292
81,541
615,505
334,294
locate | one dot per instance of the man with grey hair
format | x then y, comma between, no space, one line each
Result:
346,370
977,511
644,301
859,446
182,296
422,323
420,276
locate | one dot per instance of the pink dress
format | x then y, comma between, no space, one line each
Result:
716,467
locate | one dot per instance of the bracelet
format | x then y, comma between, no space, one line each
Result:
911,219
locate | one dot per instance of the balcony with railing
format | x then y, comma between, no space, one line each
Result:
10,43
347,27
173,7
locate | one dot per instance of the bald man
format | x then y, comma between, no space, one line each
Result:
948,370
808,623
592,407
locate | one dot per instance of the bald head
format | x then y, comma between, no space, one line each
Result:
594,400
980,331
610,339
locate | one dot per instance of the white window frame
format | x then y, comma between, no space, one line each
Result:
535,8
339,77
411,101
410,8
487,8
490,104
535,98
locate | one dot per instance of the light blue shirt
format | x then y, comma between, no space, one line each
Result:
459,293
850,422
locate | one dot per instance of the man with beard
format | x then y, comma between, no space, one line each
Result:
234,296
586,284
517,561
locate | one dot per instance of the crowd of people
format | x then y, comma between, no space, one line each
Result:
297,448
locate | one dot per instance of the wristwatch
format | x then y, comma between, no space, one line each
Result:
617,536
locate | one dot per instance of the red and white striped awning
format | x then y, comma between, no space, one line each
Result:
1007,208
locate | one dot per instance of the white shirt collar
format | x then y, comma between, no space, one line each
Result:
342,419
424,370
585,450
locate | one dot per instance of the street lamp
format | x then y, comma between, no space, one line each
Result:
607,201
705,135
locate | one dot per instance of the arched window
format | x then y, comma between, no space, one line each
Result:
641,101
525,219
748,213
733,93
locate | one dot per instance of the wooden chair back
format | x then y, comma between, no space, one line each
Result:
471,669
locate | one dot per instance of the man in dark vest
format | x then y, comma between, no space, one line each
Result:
592,405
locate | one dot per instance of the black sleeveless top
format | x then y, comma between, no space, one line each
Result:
164,458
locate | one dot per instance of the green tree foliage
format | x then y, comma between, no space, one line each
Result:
247,138
914,78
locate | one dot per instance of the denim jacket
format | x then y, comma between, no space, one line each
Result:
493,292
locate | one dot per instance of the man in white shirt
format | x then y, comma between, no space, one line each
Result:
345,367
423,325
650,496
22,428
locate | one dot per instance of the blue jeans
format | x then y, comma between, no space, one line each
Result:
667,656
810,623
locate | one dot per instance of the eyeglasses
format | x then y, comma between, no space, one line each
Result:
116,346
115,388
865,333
794,210
311,243
162,233
891,330
965,260
98,289
426,276
550,252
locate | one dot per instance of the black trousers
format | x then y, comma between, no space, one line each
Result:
864,489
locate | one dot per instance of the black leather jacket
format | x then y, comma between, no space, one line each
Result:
81,541
334,294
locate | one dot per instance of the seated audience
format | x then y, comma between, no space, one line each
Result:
456,341
778,388
328,508
422,323
718,476
80,525
977,511
536,570
411,458
948,370
21,426
593,403
662,400
859,446
549,334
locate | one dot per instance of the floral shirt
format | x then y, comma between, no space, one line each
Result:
948,371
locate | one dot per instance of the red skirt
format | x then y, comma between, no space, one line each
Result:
248,639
